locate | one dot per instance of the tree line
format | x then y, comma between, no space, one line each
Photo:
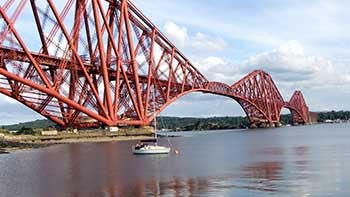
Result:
185,124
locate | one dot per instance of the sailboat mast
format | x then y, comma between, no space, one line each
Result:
154,113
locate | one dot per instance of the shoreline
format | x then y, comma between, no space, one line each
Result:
7,147
11,143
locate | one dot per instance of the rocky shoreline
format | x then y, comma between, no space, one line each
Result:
10,146
7,146
10,143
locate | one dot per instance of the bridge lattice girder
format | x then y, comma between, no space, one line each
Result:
90,62
298,108
262,100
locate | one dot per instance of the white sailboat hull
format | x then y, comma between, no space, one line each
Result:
147,149
151,149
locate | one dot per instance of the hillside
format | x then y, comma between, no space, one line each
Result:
43,123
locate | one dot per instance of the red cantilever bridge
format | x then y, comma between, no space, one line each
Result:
83,63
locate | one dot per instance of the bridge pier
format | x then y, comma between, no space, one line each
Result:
69,130
258,125
264,125
253,126
271,125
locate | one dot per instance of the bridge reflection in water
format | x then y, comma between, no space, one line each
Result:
109,175
293,161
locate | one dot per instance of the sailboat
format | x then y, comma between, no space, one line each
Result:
150,146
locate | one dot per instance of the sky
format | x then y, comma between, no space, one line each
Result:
302,44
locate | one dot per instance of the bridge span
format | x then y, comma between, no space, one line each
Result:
83,63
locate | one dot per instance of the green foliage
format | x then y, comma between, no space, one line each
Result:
25,131
213,123
181,124
198,124
286,119
4,131
37,124
333,115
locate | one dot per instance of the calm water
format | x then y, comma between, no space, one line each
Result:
291,161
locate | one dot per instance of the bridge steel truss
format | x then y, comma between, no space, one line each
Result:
83,63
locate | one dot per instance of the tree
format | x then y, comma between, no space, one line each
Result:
4,131
25,131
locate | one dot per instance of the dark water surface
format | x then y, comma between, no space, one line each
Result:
290,161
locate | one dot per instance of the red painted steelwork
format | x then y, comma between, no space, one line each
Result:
299,109
102,62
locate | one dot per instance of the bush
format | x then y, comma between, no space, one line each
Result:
4,131
25,131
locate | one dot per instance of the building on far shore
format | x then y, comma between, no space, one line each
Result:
49,132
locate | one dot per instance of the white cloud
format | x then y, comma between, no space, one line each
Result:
199,42
288,58
176,33
289,64
291,47
290,67
202,42
216,69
